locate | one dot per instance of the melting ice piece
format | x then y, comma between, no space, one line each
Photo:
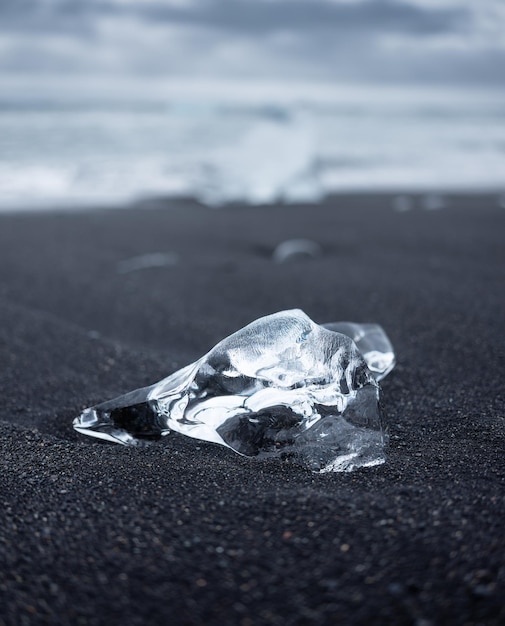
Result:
433,202
282,386
372,342
402,203
296,249
146,261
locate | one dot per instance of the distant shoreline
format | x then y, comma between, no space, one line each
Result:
221,147
416,199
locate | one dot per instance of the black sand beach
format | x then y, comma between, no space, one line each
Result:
184,532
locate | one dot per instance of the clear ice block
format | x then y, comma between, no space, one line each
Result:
282,386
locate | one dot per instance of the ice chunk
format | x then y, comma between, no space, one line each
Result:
293,249
269,162
433,202
372,342
402,203
283,386
147,261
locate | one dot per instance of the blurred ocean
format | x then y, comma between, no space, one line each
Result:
87,144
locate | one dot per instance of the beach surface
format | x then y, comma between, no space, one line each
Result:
187,532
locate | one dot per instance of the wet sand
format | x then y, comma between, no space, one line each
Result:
184,532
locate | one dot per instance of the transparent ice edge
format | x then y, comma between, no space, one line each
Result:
282,386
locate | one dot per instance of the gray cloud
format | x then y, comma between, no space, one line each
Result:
245,16
390,40
303,15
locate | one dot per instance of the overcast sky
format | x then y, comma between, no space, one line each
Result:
448,41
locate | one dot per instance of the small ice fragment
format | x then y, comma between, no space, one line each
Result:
146,261
403,203
433,202
501,201
282,386
294,249
372,342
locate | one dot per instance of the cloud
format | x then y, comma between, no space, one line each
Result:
393,40
303,15
236,15
245,16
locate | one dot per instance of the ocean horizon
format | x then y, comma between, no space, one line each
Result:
78,142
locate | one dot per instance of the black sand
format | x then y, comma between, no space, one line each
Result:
190,533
